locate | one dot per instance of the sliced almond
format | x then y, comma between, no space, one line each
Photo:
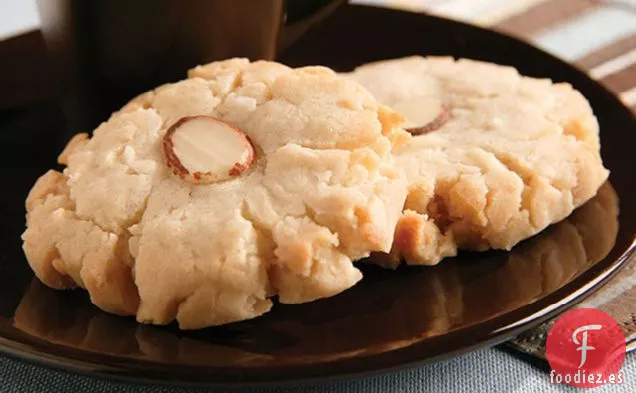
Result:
204,149
423,114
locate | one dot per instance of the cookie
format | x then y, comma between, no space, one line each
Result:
496,157
202,199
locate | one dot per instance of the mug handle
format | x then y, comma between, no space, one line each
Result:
299,17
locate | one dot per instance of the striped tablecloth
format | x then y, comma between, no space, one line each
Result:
597,35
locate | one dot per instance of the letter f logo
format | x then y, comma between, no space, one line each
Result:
584,347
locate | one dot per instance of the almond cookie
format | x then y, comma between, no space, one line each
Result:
496,157
201,199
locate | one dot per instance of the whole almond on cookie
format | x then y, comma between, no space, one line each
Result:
204,149
425,114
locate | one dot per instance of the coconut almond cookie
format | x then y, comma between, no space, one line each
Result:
496,157
201,199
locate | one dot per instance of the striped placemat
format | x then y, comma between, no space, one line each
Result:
599,36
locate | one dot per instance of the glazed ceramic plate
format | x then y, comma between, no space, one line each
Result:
392,319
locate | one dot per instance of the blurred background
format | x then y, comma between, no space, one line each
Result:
597,35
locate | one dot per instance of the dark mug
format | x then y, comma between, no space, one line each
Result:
105,52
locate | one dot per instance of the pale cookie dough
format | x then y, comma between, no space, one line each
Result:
314,188
498,157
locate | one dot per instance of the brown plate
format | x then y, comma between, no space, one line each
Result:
392,319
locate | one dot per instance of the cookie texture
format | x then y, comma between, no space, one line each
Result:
321,191
496,156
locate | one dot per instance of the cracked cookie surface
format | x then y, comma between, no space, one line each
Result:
321,192
512,155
